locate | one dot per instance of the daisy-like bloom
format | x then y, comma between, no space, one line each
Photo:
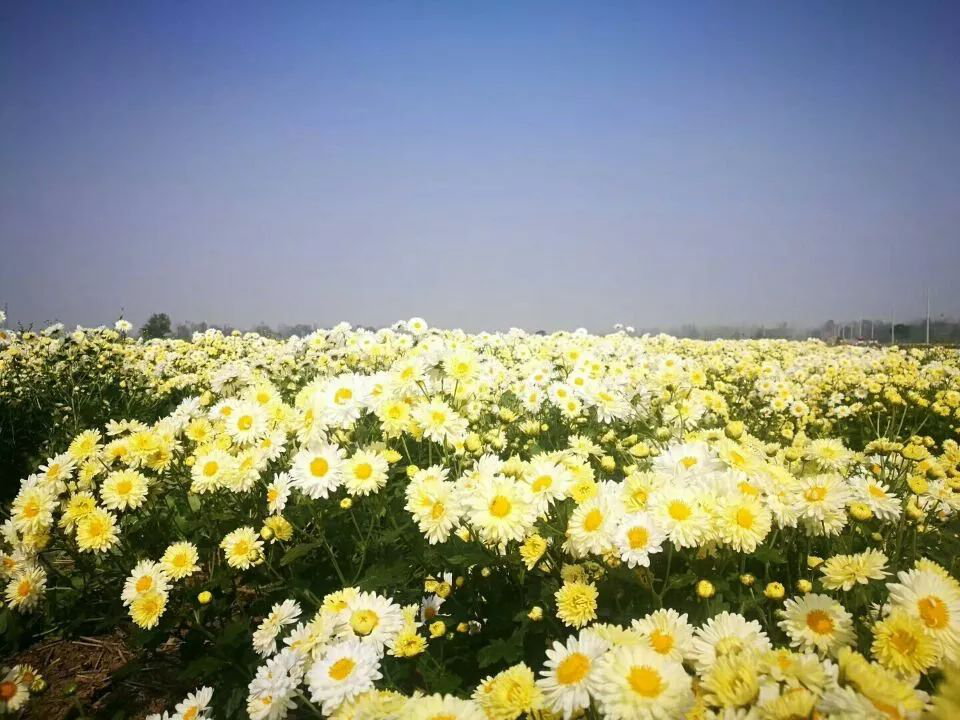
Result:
666,632
346,670
365,473
242,548
26,588
123,489
743,522
576,603
32,509
733,682
725,634
887,695
441,707
636,489
278,492
180,560
637,538
84,446
196,706
509,694
438,510
678,512
146,608
147,576
635,683
532,549
687,461
828,454
281,615
372,618
823,500
416,326
934,600
79,505
439,422
14,692
549,482
816,622
591,527
317,470
97,531
845,571
211,470
570,678
271,692
247,424
501,509
58,470
876,496
902,644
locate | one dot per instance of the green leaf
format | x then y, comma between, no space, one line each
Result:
297,552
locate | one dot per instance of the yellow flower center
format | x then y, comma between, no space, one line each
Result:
645,681
933,612
124,487
876,491
688,461
679,510
190,714
637,537
542,483
319,467
748,489
7,690
661,642
210,468
500,506
341,669
815,494
144,583
363,471
242,547
364,622
24,588
819,622
744,518
437,511
438,417
572,668
904,642
31,509
342,395
272,495
245,422
593,520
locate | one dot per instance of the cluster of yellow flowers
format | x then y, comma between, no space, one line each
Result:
629,493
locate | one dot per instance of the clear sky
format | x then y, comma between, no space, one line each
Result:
481,164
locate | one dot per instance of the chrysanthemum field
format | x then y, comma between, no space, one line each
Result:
423,523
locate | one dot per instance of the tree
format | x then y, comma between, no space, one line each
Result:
157,326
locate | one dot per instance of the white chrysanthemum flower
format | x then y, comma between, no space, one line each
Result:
281,615
501,509
637,538
569,680
147,576
317,470
816,622
724,634
635,683
372,618
346,670
667,632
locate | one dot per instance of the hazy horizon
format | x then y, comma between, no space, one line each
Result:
550,165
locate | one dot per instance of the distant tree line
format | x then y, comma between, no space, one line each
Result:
942,330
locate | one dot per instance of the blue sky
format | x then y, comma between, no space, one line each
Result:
483,165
